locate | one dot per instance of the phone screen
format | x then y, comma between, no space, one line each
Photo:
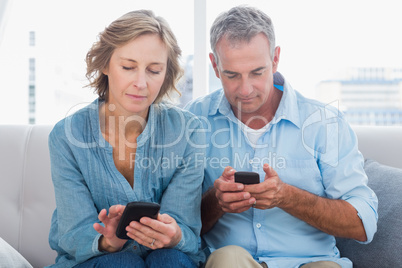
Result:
247,177
134,211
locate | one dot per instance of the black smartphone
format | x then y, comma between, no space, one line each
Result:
247,177
134,211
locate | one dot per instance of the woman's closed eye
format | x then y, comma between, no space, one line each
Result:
154,71
127,68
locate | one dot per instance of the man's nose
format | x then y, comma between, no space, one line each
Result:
246,87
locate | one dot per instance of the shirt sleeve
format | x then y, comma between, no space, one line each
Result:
76,212
342,168
182,197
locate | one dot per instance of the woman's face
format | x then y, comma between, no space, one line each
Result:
136,72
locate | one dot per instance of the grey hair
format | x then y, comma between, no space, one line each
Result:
241,24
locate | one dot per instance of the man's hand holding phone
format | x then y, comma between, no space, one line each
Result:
247,191
231,196
270,193
246,177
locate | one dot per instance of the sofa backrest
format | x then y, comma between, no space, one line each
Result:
26,191
381,143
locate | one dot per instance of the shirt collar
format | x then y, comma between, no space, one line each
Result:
142,138
149,127
288,108
219,103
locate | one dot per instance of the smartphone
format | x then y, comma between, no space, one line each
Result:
134,211
247,177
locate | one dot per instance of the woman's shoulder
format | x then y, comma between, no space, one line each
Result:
176,124
74,122
173,112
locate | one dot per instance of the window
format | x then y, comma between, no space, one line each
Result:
42,56
325,46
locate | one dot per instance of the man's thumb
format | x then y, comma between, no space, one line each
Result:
269,171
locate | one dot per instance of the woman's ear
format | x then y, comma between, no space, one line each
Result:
105,71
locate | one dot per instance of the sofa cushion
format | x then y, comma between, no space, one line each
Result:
9,257
385,249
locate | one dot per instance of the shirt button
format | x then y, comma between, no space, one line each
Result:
135,247
258,225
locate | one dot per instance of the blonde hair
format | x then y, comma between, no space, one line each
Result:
123,30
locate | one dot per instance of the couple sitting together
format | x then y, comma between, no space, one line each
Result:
131,145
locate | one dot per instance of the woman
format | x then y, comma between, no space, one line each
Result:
128,146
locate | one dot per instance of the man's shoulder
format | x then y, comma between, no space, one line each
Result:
308,107
203,105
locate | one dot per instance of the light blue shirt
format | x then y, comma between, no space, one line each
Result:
168,170
311,146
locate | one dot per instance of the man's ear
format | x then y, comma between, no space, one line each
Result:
275,62
214,65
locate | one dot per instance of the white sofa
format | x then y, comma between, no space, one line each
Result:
26,191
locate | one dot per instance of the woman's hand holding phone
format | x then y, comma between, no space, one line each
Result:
164,232
109,241
134,211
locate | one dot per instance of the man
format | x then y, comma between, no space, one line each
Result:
312,183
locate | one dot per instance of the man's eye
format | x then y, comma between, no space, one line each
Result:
257,74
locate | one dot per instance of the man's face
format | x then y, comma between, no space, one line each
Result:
246,72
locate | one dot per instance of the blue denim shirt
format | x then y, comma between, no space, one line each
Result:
168,170
311,146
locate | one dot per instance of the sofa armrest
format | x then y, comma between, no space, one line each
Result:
26,191
385,249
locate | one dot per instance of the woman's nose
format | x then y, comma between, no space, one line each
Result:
140,80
